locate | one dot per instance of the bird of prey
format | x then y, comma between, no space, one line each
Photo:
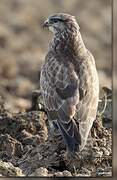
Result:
69,82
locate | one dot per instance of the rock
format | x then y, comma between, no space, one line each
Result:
34,123
105,151
7,169
26,126
58,174
66,173
40,172
104,171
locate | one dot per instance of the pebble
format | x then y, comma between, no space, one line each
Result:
105,151
104,172
58,174
66,173
7,169
40,172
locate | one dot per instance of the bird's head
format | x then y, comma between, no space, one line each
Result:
60,22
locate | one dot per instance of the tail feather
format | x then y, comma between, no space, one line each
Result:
70,132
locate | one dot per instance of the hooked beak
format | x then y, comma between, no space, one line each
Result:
46,24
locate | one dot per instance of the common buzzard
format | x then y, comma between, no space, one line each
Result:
69,82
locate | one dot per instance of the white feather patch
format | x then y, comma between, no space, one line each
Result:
52,29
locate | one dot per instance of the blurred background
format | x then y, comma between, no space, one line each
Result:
24,43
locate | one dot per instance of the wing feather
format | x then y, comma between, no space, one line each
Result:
60,92
67,94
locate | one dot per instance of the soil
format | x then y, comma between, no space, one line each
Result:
27,147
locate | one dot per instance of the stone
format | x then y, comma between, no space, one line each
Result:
58,174
7,169
40,172
66,173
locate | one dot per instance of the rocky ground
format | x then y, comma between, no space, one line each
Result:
27,149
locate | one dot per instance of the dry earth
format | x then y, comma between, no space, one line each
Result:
27,149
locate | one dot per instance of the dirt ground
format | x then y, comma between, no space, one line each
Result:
26,147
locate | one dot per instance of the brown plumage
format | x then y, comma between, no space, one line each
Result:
69,82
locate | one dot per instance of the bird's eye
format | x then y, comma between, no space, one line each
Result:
55,20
